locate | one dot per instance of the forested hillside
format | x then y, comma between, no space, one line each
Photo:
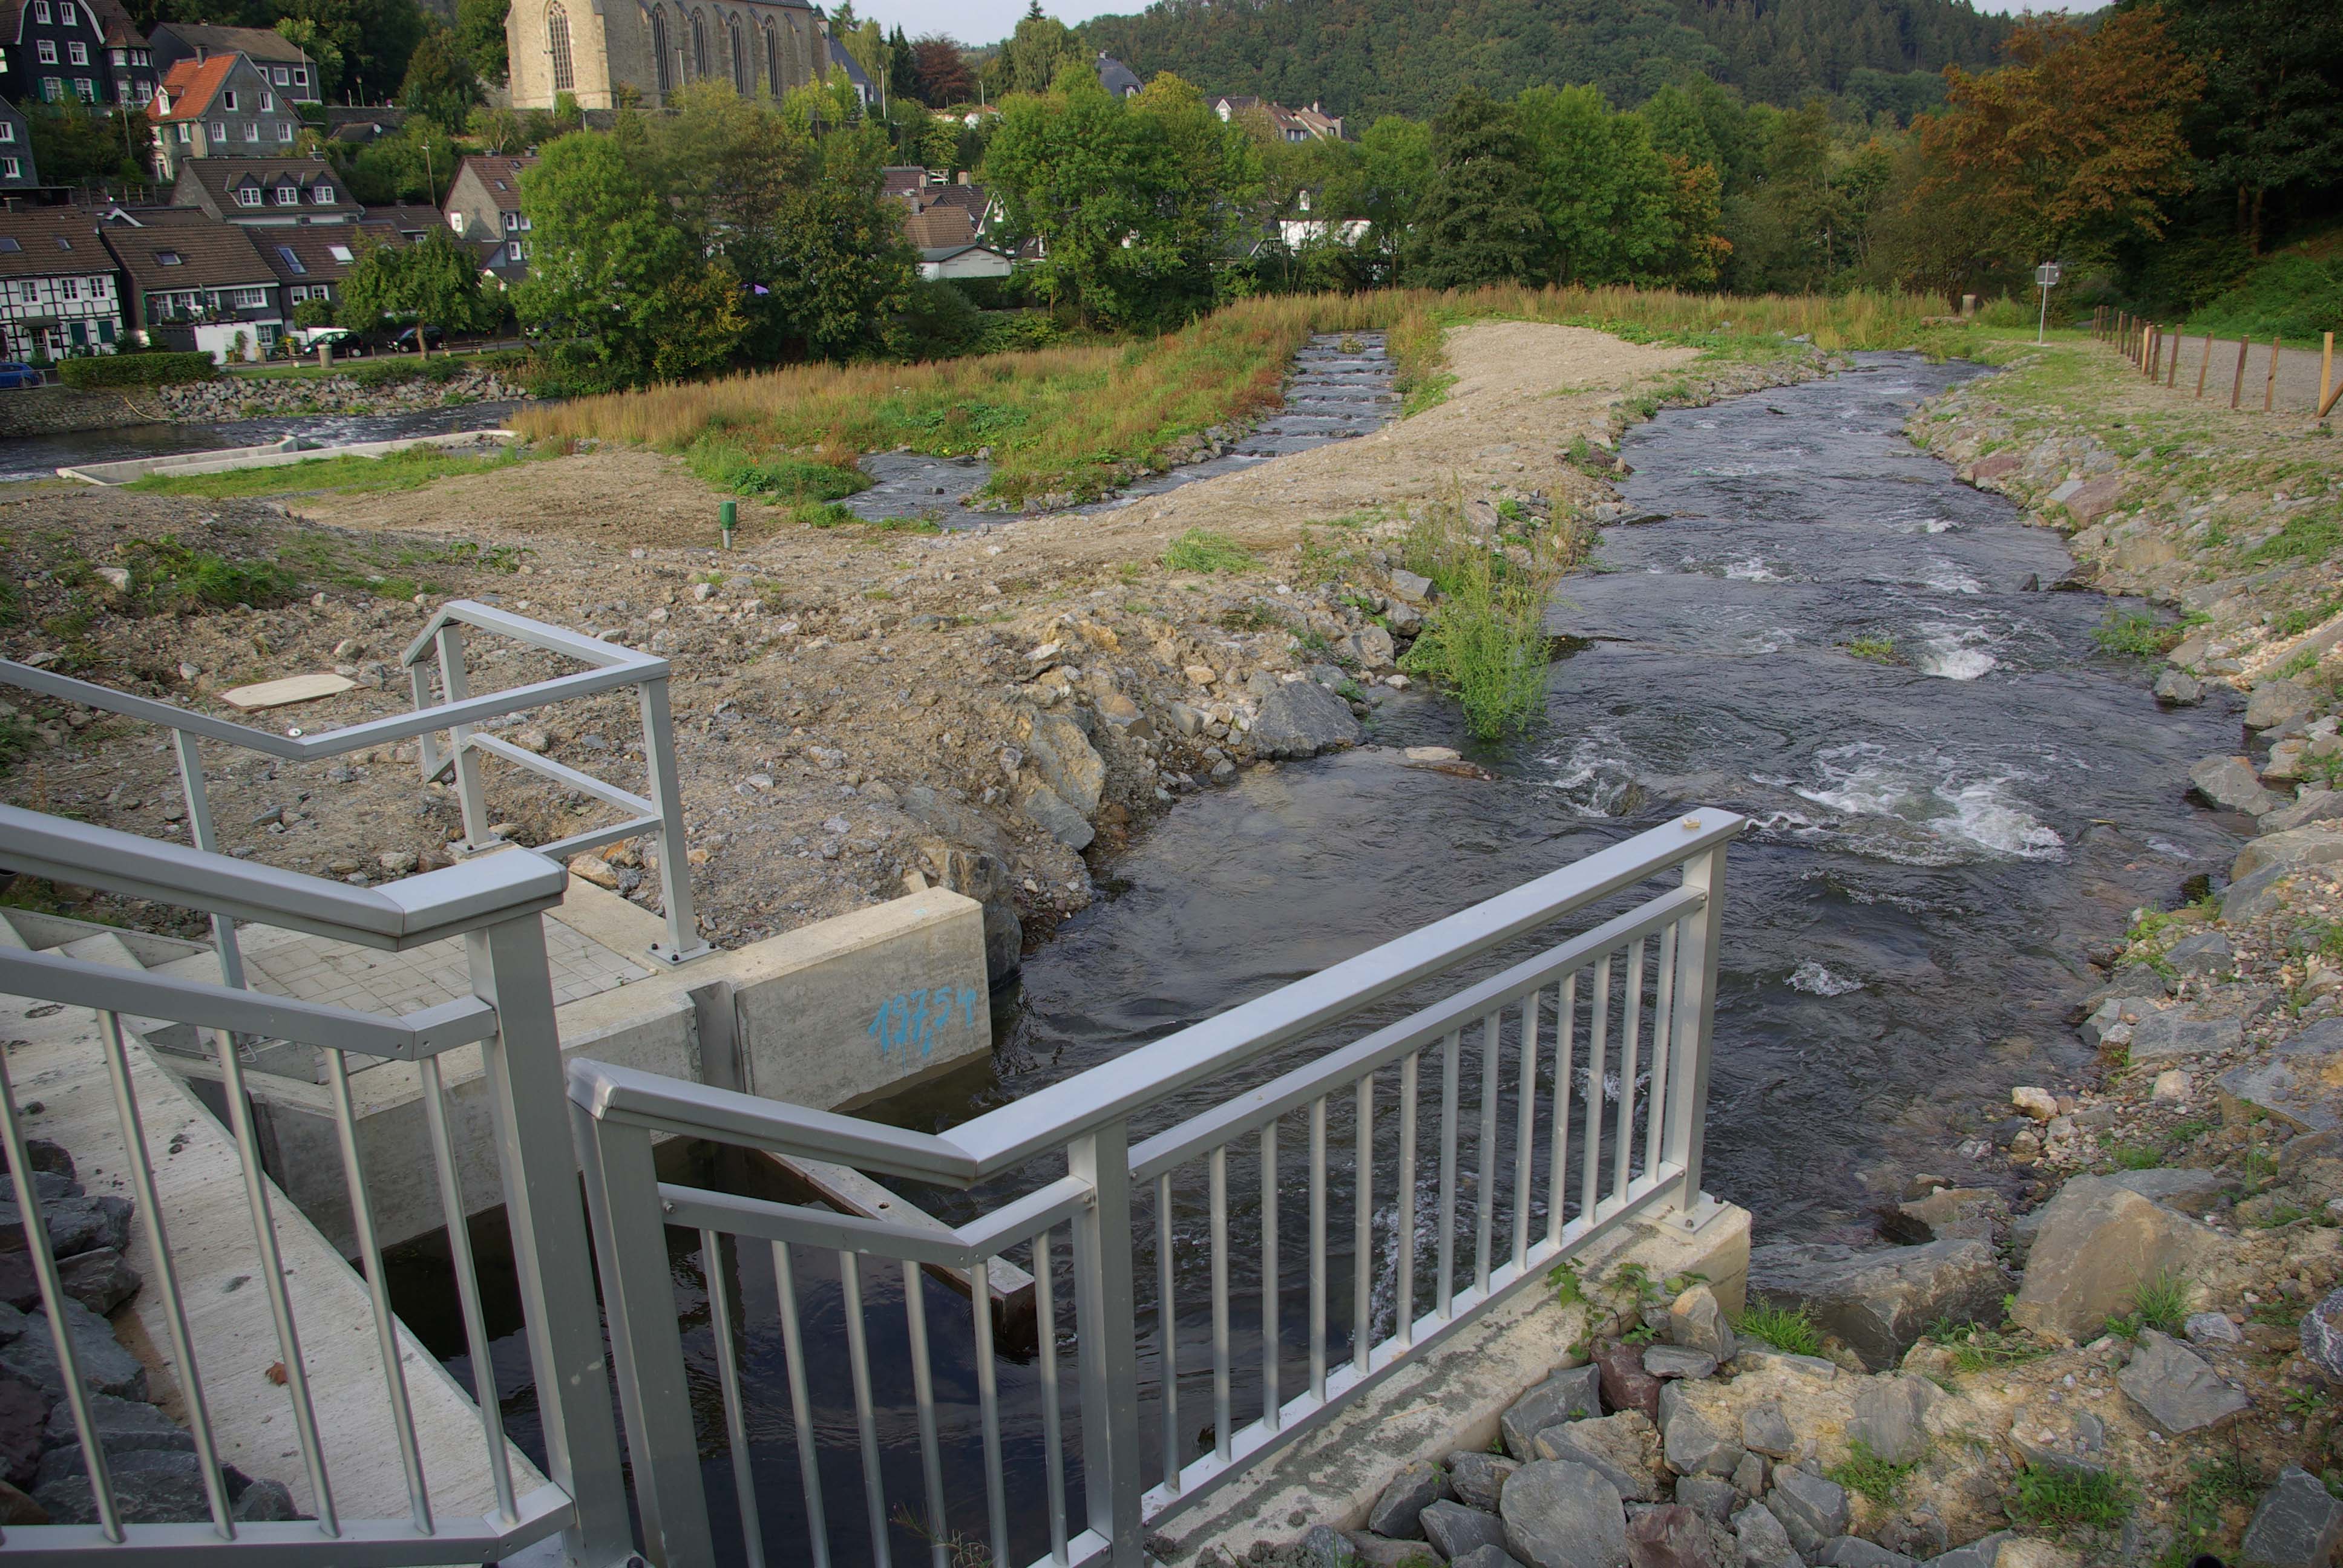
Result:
1369,57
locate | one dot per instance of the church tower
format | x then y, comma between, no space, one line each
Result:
596,49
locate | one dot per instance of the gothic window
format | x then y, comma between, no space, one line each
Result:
772,60
744,70
660,51
698,48
557,31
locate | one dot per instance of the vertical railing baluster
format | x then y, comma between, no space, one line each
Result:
1167,1334
923,1396
1485,1191
1318,1248
988,1404
1272,1340
1448,1074
1045,1303
1362,1228
866,1418
455,685
801,1402
467,1282
1557,1176
1525,1125
684,941
1598,1044
200,834
1695,1021
1405,1266
728,1386
1630,1033
1221,1421
166,1271
386,1323
1655,1102
1106,1341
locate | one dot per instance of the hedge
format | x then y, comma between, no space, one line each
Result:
135,369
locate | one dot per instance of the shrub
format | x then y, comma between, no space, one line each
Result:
778,474
937,322
1485,639
2137,636
100,370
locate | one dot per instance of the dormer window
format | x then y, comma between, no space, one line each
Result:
323,196
66,15
278,74
300,75
289,196
248,195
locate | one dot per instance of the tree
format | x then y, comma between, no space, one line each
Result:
1036,51
307,36
1605,194
440,82
415,163
940,73
434,282
1476,223
620,292
2077,143
481,33
72,144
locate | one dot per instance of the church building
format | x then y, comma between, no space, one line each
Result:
590,48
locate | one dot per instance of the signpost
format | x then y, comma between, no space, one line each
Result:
2047,276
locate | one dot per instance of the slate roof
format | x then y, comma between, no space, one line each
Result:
210,254
317,253
257,42
220,177
500,177
50,244
1117,78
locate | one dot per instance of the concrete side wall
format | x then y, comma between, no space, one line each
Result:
61,410
1449,1400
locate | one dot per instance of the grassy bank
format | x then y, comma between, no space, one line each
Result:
1076,420
408,469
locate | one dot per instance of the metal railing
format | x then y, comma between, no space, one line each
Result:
439,649
494,902
1581,1072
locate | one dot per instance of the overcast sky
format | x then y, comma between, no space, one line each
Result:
989,21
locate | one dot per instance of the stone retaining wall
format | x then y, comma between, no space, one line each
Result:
61,410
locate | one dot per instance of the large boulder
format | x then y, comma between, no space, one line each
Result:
2276,702
1671,1537
1455,1530
2186,1191
1062,754
1562,1515
1624,1447
2163,1038
1626,1384
1812,1509
2096,1244
1301,718
1479,1479
2299,1085
2172,1384
2296,1525
105,1366
1881,1302
2231,784
1763,1543
1697,1323
1398,1511
2320,844
1571,1394
1855,1552
1060,821
2311,806
151,1486
1691,1442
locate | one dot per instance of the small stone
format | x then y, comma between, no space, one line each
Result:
2171,1085
1398,1511
2296,1525
1624,1447
1570,1394
1325,1548
2039,1103
1490,1556
1706,1495
397,862
2211,1329
1983,1552
265,1502
1414,589
595,869
1669,1537
1695,1447
98,1279
1697,1323
1479,1479
151,1486
1812,1509
1751,1475
1764,1429
105,1366
1765,1543
1455,1530
1854,1551
1626,1384
1434,754
2322,1334
1675,1362
1200,674
1888,1417
2172,1384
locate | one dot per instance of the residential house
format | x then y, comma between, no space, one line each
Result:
129,57
194,283
54,51
918,190
411,221
945,239
289,71
58,293
222,108
484,208
841,59
16,170
264,193
1117,78
1308,230
1312,124
311,261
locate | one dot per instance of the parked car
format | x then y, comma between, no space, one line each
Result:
405,341
16,373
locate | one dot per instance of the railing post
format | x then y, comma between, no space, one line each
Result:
200,834
455,685
1106,1325
683,939
1696,1016
427,745
522,1066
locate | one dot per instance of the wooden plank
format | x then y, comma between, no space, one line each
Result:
291,689
852,1192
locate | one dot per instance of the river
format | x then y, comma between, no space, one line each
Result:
1936,843
40,457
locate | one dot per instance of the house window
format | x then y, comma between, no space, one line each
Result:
323,196
252,130
512,250
86,88
300,75
13,168
228,102
66,15
105,331
267,103
219,130
251,299
121,56
72,287
141,57
185,131
166,258
744,72
53,88
341,253
7,130
289,196
284,130
698,48
280,75
41,10
77,53
48,48
557,34
248,197
97,288
660,50
147,94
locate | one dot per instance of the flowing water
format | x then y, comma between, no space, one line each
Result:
1935,843
40,457
1341,387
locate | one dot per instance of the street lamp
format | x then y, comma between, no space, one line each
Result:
2047,276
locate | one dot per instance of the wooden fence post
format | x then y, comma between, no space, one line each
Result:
2172,370
2325,370
2154,351
2204,364
2270,388
2238,386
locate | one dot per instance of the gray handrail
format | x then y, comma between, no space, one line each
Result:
395,916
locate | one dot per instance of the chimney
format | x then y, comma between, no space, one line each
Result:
964,177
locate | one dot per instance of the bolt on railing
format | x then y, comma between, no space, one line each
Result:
495,903
1589,1141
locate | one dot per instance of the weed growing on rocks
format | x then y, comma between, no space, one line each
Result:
2135,636
1790,1329
2161,1303
1202,551
2063,1499
1870,1474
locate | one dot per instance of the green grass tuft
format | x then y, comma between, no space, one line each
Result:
1873,1476
1198,550
2061,1500
2159,1303
1790,1329
2135,636
167,579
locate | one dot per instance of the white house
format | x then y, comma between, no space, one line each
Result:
57,293
963,261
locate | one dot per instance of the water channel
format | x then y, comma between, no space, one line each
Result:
1936,843
40,457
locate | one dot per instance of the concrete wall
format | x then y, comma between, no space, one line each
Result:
60,411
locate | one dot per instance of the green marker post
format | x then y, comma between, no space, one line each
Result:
728,516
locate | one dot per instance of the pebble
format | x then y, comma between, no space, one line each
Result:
2039,1103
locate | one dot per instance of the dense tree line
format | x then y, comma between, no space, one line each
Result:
1374,58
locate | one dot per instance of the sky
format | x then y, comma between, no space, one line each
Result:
989,21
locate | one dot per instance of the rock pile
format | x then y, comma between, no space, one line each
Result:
252,397
150,1458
